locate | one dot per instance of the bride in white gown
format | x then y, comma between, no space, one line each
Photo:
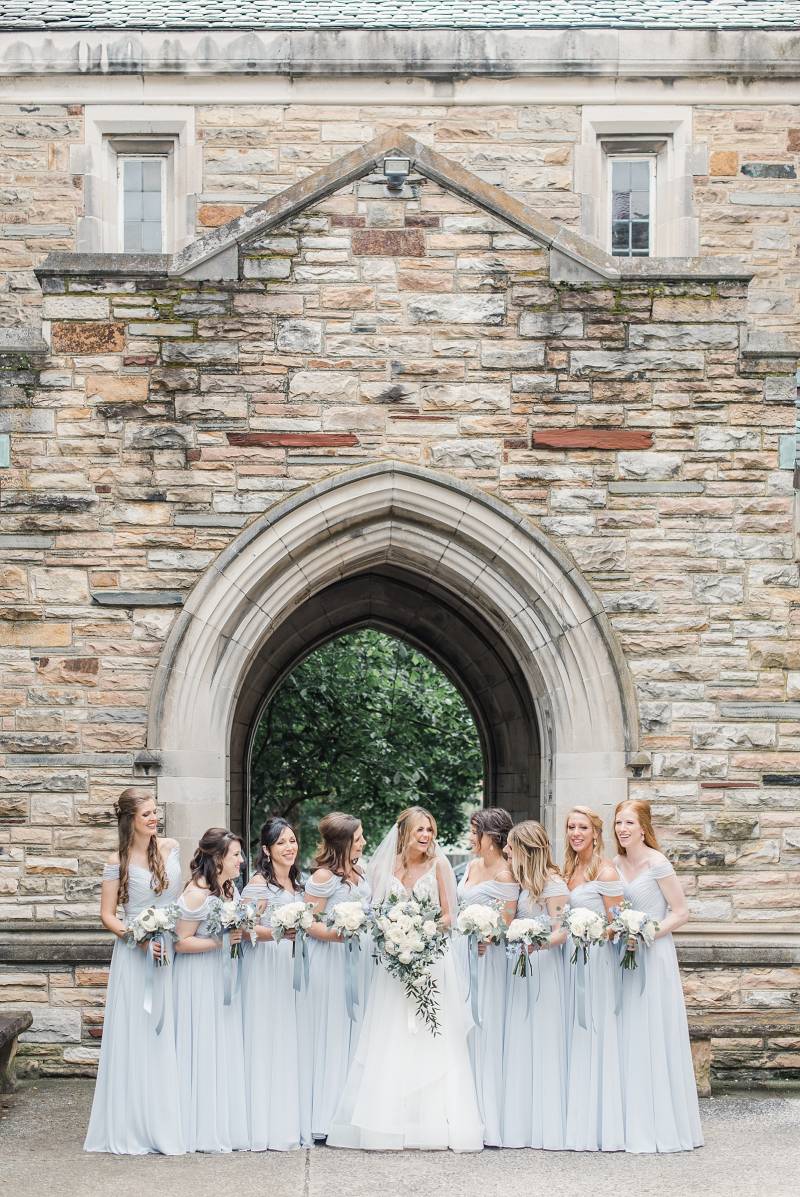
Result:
407,1088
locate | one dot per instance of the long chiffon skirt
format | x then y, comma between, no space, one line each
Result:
135,1107
595,1119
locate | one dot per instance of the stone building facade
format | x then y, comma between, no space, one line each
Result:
436,404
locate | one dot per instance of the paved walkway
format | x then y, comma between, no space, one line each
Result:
752,1149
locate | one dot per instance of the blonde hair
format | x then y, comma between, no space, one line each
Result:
641,808
406,821
570,857
532,862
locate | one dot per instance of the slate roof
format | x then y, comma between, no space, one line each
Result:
398,14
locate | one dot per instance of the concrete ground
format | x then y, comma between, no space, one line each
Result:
752,1149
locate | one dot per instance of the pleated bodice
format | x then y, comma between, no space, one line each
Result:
591,893
273,895
528,908
486,893
644,892
140,885
336,890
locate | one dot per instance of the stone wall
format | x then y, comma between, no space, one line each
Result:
629,422
746,160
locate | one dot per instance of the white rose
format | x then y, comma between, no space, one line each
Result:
147,920
390,948
405,957
429,929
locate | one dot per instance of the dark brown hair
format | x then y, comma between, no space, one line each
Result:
206,863
495,822
271,832
125,809
335,850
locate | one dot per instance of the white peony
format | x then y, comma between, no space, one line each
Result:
526,929
429,928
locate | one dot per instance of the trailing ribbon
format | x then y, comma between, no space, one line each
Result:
618,977
227,969
300,958
529,981
641,952
472,951
151,969
352,945
580,987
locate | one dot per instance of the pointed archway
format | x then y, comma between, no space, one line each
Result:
473,583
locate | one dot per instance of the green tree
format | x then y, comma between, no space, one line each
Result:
368,725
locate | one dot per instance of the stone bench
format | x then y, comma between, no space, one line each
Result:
11,1027
753,1030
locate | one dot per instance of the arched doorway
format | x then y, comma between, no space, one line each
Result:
474,583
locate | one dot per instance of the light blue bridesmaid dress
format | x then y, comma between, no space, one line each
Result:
595,1119
534,1057
210,1047
661,1110
135,1107
486,1041
276,1084
326,1024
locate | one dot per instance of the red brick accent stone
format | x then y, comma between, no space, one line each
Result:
417,220
292,440
593,438
793,142
340,221
211,216
88,336
388,243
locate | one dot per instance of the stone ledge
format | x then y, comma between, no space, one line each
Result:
138,598
765,343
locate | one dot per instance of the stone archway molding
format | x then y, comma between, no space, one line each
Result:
430,526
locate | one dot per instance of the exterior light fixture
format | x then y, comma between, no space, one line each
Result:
396,171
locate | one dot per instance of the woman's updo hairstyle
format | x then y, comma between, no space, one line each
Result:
271,832
495,822
335,851
125,809
206,864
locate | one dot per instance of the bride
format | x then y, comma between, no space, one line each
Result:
407,1087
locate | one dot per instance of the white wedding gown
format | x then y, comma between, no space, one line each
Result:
407,1088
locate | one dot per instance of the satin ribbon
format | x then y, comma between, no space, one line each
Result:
230,983
151,968
580,987
529,981
618,979
472,951
300,958
352,945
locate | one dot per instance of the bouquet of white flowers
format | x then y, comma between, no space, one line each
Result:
409,936
348,919
586,929
226,915
486,923
292,916
297,917
153,925
522,934
632,927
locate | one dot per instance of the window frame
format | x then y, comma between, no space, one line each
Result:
610,156
123,156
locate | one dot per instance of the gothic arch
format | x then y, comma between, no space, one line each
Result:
463,576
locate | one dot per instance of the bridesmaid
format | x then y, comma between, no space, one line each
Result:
488,880
595,1119
534,1057
661,1110
333,1034
208,1033
135,1107
278,1100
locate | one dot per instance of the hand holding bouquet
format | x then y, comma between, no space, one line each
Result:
486,923
347,919
292,916
153,924
633,927
409,936
521,936
586,929
228,915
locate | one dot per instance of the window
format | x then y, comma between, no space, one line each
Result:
624,212
142,170
631,182
142,203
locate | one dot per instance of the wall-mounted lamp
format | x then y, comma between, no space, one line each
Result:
396,171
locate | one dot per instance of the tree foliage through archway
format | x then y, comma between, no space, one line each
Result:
366,724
